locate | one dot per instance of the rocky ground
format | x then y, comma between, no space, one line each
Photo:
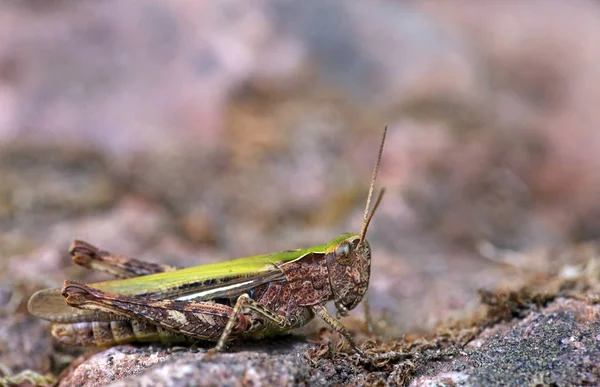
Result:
556,344
188,133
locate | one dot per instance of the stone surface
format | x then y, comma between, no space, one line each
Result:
558,345
554,345
276,362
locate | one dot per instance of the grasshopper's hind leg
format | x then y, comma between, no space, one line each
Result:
91,257
195,319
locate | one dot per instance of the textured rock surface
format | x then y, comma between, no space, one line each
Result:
266,366
555,345
558,345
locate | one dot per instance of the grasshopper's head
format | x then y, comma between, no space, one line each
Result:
349,267
349,263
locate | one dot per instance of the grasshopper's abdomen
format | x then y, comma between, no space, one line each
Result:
108,333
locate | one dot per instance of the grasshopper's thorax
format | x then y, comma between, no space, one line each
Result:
349,267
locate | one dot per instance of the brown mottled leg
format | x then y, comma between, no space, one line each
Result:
244,301
237,309
336,325
119,266
196,319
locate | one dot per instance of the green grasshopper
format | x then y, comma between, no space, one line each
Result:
252,297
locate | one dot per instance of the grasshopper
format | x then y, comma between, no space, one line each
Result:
252,297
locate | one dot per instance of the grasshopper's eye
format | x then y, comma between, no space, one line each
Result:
342,251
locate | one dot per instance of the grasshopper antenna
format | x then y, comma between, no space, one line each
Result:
368,216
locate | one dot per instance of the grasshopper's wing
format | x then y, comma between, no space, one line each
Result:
50,305
198,282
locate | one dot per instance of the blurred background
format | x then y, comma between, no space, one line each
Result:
189,132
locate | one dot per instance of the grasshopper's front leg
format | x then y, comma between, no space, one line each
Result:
336,325
200,320
91,257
